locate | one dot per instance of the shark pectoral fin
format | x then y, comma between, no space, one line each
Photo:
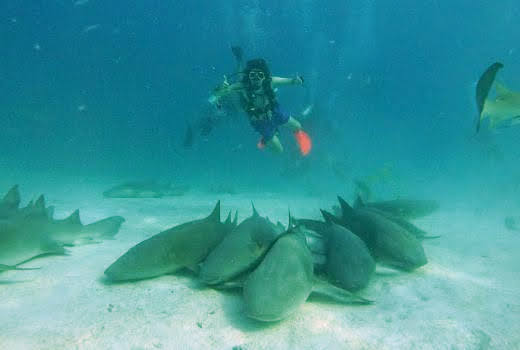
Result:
9,267
86,240
428,237
482,115
194,268
340,295
49,246
492,122
386,270
236,284
515,120
502,90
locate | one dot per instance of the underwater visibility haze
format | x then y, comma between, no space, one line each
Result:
259,174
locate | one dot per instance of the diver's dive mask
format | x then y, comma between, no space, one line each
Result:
256,75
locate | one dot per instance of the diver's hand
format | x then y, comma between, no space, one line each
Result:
225,83
215,101
297,80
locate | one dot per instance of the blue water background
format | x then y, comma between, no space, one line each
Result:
392,84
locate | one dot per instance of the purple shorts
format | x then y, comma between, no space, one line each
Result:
268,127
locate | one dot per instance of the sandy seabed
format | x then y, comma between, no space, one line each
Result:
467,297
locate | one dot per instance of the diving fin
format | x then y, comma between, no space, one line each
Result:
238,53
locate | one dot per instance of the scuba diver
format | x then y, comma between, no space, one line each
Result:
256,89
212,114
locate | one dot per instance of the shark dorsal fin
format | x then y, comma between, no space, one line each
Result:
73,219
328,217
255,213
12,197
235,219
502,90
228,218
292,221
359,202
40,202
215,214
50,211
346,210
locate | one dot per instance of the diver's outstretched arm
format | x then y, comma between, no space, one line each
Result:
226,89
279,81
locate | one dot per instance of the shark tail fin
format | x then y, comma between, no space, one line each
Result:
215,214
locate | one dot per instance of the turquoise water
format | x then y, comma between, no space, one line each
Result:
95,93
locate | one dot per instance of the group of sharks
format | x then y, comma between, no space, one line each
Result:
31,231
277,268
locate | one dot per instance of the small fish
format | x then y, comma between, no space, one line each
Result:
188,137
91,28
510,224
80,2
307,111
